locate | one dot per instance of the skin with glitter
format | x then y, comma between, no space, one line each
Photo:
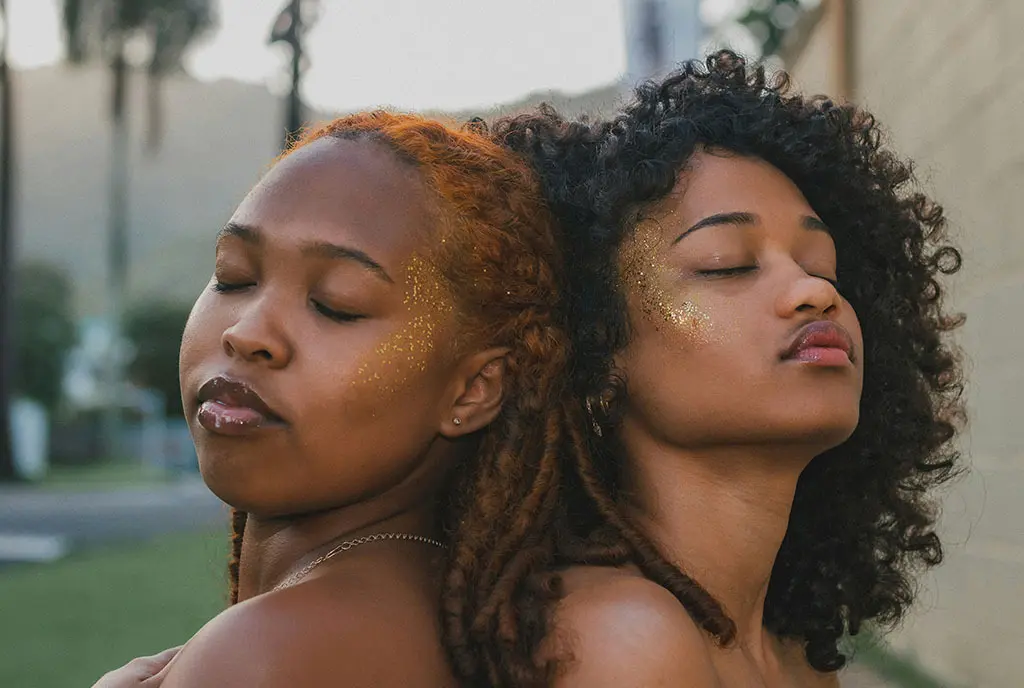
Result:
646,275
427,302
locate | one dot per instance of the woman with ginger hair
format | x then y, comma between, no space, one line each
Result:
375,380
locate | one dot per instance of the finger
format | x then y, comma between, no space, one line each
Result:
155,663
126,676
137,671
158,676
166,656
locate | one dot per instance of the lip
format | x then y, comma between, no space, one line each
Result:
232,407
822,343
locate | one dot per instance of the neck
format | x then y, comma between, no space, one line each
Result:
720,513
274,548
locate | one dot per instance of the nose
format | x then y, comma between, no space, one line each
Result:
808,294
258,336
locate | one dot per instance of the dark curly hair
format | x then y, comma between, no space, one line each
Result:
862,523
497,250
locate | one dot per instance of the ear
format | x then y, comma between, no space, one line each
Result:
477,394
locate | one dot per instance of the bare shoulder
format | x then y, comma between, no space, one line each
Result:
314,634
616,628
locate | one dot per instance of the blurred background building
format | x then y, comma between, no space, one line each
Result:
658,34
124,166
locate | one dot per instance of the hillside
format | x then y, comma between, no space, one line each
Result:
219,137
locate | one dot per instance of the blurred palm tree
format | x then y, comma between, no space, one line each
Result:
105,31
7,471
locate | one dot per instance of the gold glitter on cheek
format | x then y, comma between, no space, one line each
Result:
427,303
692,320
644,272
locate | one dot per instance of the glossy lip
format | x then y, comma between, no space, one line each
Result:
231,407
821,334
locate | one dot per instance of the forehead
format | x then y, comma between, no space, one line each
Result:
722,182
341,191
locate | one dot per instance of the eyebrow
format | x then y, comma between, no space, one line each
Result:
249,235
814,224
737,219
318,249
745,219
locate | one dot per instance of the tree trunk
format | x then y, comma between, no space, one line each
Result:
117,256
7,471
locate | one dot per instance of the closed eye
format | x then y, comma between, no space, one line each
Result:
728,272
225,287
337,316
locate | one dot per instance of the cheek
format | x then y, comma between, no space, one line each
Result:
687,321
382,399
677,315
399,360
411,352
362,431
683,321
199,336
690,345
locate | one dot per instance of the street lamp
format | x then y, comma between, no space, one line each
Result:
290,28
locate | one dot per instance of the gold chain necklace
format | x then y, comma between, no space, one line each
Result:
349,544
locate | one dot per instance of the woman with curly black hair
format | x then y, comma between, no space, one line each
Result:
762,347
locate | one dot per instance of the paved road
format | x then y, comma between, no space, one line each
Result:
85,518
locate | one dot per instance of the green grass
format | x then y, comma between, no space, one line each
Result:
105,475
65,624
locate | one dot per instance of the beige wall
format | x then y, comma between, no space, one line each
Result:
947,79
815,58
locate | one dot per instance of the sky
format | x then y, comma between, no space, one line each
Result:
415,54
407,53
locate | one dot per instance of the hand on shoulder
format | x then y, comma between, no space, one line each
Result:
616,628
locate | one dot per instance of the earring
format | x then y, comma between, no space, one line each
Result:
456,421
593,421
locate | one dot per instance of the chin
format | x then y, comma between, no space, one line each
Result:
231,479
257,489
826,433
222,480
246,497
